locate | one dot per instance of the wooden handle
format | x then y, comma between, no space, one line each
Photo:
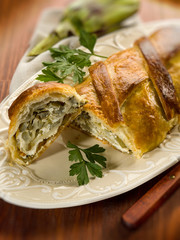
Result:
147,204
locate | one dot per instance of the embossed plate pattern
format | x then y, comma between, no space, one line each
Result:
46,183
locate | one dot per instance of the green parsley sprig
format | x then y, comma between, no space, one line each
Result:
69,62
93,163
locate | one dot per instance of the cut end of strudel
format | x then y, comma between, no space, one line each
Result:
38,116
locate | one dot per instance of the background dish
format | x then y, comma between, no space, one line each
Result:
46,183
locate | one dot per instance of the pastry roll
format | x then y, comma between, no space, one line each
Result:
134,96
38,116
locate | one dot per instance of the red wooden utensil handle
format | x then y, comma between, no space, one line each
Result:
147,204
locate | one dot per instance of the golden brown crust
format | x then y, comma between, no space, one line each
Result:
105,93
87,89
174,71
127,70
34,92
160,77
166,41
144,117
113,81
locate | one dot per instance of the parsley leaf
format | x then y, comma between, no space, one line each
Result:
69,62
48,76
93,164
80,170
96,149
75,155
88,40
94,169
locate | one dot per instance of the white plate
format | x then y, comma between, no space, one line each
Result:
47,184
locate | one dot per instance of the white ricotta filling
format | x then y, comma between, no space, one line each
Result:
42,122
96,128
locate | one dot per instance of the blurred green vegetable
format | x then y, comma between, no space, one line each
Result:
94,16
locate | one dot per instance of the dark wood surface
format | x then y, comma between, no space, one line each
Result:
101,220
136,215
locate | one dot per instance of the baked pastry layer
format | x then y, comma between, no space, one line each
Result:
134,96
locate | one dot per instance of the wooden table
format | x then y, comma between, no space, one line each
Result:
101,220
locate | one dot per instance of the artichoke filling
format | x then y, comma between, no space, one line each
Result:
93,126
41,123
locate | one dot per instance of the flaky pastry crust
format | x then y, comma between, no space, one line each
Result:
133,91
26,106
